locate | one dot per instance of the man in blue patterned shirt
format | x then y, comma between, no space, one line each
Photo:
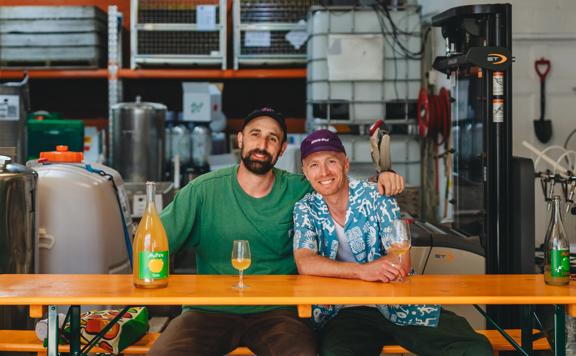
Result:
343,230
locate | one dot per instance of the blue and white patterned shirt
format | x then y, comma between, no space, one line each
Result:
368,232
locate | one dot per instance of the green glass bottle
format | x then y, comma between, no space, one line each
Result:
556,249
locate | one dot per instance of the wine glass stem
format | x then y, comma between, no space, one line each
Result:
241,282
401,266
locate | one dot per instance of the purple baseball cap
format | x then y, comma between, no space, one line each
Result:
268,112
321,140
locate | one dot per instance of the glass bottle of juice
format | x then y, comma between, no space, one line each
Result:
150,247
556,249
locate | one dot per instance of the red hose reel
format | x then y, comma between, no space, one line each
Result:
434,115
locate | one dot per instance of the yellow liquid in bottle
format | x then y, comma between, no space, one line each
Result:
241,265
555,281
150,238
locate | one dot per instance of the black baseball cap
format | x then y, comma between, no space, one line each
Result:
268,112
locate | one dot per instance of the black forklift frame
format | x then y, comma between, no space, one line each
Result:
479,37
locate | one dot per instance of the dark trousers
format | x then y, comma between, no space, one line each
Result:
363,331
276,332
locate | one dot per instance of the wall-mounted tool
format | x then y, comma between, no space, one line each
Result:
542,127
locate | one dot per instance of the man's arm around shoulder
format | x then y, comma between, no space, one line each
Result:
390,183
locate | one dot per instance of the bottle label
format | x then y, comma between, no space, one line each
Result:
153,265
560,263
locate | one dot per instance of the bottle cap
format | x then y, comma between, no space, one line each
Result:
62,155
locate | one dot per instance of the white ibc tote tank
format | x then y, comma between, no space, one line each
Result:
79,216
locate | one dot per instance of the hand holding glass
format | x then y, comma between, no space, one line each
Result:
241,260
400,242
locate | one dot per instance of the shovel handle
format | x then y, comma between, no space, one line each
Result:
542,67
375,126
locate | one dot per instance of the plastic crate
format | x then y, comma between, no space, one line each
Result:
359,89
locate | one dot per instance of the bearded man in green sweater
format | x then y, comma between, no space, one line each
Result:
250,201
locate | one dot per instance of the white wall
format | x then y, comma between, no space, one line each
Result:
540,29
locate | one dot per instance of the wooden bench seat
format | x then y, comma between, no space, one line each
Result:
26,341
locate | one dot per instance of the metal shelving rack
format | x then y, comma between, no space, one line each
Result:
270,32
166,32
361,101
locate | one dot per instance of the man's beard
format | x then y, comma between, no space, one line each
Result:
257,166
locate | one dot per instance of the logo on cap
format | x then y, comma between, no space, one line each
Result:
319,140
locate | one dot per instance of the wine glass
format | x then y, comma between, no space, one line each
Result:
241,260
400,245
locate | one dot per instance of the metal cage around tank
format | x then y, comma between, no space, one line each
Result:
178,33
270,32
352,91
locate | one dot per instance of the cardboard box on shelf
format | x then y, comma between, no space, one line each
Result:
202,102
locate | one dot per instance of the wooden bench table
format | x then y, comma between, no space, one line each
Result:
26,341
303,291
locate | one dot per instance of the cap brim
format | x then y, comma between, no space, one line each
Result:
273,115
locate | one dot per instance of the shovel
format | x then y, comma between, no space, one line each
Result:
542,127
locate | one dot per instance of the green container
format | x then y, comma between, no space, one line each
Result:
45,135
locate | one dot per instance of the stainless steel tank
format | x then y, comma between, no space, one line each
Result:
137,140
14,104
18,231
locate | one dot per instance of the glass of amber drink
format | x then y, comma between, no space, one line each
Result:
401,243
241,260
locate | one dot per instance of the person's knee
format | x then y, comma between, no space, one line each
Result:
197,333
302,344
160,347
280,333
